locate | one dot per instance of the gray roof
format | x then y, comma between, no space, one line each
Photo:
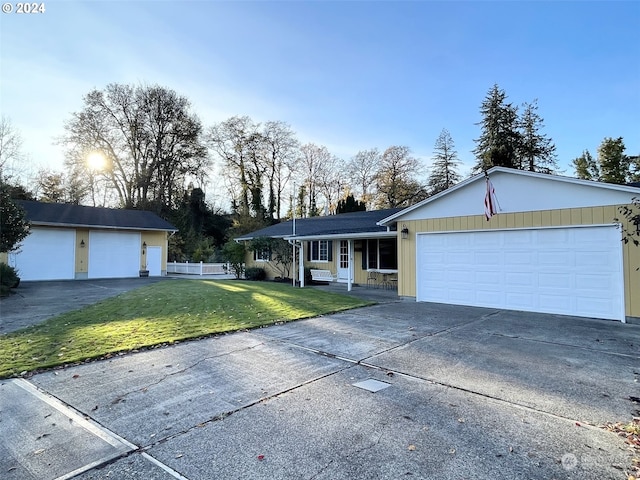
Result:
62,214
344,223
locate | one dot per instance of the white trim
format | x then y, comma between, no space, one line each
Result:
347,236
101,227
329,236
607,186
547,227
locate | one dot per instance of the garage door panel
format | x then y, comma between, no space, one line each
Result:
46,254
486,277
459,259
519,238
592,306
524,301
487,258
555,303
114,254
552,237
595,283
518,258
572,271
553,258
595,259
555,280
514,280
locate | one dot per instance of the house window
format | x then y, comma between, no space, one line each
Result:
263,255
381,253
320,251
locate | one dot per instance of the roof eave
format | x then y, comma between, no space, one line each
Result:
344,236
102,227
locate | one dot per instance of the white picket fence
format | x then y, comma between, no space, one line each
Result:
199,268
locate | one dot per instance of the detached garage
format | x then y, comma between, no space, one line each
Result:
553,246
78,242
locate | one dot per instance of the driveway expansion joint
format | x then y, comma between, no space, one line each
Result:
566,345
121,397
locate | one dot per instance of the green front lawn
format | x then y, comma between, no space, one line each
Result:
161,313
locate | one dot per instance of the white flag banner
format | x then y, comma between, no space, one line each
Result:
491,204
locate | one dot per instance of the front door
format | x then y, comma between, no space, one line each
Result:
343,262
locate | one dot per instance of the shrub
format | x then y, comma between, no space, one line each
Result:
255,273
234,253
8,278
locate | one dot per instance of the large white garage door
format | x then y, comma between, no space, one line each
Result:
571,271
114,254
46,254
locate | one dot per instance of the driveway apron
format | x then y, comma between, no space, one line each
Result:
468,393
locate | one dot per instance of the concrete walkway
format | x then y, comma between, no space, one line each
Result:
400,389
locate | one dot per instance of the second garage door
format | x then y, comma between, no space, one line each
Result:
114,254
571,271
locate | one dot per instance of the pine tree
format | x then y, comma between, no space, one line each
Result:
586,167
498,144
537,153
350,204
444,173
614,164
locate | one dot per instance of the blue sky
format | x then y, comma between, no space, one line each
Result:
348,75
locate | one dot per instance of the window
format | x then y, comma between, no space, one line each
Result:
380,253
320,251
263,255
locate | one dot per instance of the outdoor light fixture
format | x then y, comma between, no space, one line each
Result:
82,243
404,232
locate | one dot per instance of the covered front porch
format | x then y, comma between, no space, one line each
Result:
369,260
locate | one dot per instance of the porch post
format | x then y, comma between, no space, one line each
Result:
349,264
301,262
293,264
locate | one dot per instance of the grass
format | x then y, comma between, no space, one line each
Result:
162,313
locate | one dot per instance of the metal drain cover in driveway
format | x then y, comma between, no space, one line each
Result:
372,385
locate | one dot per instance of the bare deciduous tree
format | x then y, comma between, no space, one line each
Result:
10,148
396,181
362,170
148,137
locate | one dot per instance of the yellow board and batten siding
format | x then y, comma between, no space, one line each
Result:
156,239
543,218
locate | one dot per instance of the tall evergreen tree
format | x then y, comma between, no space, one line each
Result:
498,144
13,223
445,163
614,164
350,204
586,167
537,153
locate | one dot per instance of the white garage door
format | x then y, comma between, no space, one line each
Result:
571,271
114,254
46,254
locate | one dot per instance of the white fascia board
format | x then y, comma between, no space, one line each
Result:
246,239
98,227
344,236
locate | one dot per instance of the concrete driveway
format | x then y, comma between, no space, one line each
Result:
469,393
